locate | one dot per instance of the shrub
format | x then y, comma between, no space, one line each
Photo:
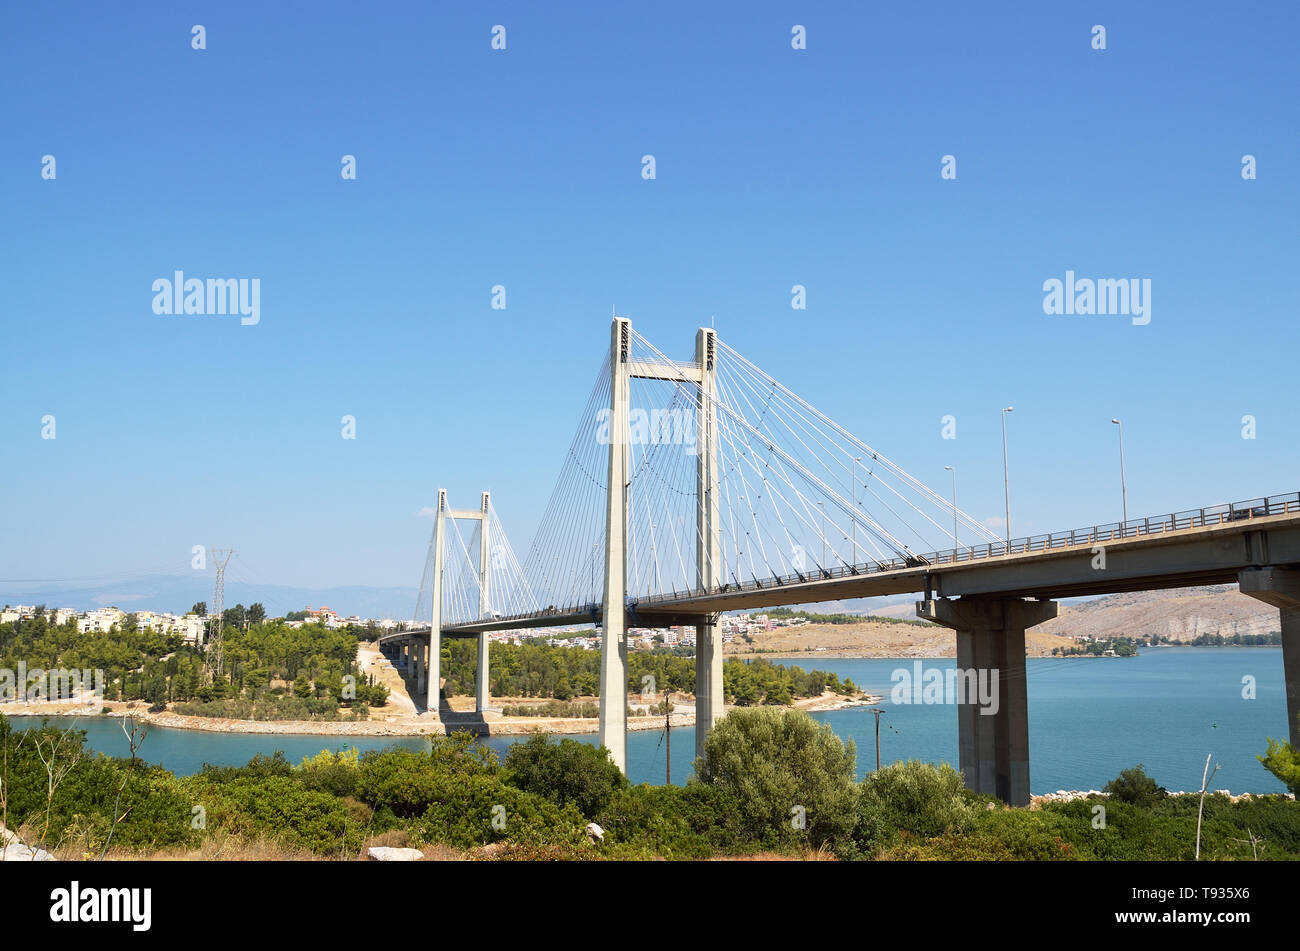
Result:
462,755
1135,787
338,774
141,805
1283,761
913,797
400,781
999,835
569,771
774,763
281,808
672,822
481,809
260,766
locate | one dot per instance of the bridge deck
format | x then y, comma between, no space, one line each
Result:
1205,546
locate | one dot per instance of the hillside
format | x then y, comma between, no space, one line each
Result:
873,638
1180,614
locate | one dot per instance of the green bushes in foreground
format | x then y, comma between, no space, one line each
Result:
914,798
769,780
790,777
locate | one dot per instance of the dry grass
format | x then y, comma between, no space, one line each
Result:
220,847
803,855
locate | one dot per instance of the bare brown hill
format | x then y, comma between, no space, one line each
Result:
873,638
1180,614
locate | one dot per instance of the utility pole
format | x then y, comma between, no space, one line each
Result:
877,711
668,735
220,558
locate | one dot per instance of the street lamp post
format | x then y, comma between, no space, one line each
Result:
856,460
955,544
1006,480
822,506
1123,482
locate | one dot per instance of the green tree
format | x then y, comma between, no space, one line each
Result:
785,770
1134,786
913,797
569,771
1283,761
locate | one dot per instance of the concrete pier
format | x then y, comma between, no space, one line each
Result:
481,678
993,740
1280,587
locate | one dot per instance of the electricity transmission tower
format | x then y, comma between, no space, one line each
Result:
220,558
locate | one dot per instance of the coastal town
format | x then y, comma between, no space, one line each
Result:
192,627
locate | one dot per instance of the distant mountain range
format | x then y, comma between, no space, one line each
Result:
178,593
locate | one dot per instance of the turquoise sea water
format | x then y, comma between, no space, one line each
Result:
1089,718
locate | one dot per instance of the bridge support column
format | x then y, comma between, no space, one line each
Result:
481,679
433,677
1280,587
419,668
991,694
708,682
613,625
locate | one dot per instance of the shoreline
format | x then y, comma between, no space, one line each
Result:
493,724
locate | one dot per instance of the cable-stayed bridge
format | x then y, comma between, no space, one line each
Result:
701,486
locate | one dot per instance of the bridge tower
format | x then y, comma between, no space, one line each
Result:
613,630
435,626
708,636
708,642
484,606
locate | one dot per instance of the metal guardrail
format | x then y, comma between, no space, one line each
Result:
1207,517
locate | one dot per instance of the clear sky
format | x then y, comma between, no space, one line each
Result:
522,167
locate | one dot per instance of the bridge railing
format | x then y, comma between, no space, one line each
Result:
1089,536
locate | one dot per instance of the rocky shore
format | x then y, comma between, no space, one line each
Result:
491,723
1070,795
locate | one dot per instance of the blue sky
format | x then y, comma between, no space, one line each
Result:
522,167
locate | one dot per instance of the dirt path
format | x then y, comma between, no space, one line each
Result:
372,661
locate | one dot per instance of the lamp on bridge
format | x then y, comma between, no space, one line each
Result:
955,544
1123,486
1006,481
